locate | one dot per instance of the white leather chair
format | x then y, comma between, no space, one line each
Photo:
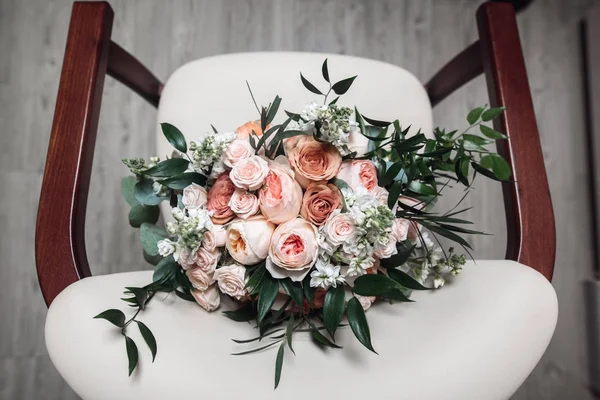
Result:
478,338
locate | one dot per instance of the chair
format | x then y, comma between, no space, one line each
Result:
479,338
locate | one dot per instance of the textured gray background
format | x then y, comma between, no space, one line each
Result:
418,35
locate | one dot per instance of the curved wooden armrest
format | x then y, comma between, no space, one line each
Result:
61,257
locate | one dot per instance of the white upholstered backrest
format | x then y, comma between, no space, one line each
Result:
213,91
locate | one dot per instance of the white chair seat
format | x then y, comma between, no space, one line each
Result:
477,338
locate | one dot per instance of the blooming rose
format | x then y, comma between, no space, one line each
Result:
244,204
388,250
249,173
381,195
400,229
208,299
319,201
359,172
194,196
207,260
219,232
199,279
218,199
248,240
293,250
357,142
246,130
231,280
185,257
340,229
314,161
281,196
237,150
209,242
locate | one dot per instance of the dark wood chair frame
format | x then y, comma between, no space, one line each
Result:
90,55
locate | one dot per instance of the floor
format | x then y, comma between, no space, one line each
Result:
418,35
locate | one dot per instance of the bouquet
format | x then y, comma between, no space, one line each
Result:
304,222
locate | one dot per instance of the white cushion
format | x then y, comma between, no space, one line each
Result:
213,91
477,338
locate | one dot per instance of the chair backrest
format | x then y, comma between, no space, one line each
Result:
90,54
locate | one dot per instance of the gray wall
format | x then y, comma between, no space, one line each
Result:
418,35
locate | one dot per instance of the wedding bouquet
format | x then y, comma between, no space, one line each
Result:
303,222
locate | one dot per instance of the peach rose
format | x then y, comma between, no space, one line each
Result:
340,229
185,257
358,172
248,240
281,196
249,173
208,299
319,201
293,250
246,130
218,199
194,196
231,280
199,279
209,242
314,161
219,232
244,204
237,150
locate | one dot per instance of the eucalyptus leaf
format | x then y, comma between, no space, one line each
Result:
422,188
358,323
132,353
145,194
149,236
333,307
115,317
127,189
148,338
309,291
174,136
391,174
309,85
140,213
342,86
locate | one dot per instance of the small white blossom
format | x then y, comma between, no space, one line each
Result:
326,275
165,247
359,266
178,214
438,281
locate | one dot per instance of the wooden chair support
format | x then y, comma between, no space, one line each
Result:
60,234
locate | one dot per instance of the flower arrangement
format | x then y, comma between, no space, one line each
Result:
328,211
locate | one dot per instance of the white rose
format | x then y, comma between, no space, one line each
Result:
248,240
357,141
249,173
199,279
208,299
194,196
339,229
231,280
400,229
219,233
381,195
165,247
237,150
244,204
388,250
209,242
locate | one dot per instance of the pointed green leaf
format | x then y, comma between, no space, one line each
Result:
405,280
380,286
334,101
492,113
289,331
167,168
181,181
342,86
375,122
358,323
279,364
148,337
295,291
115,317
497,164
309,291
141,295
132,353
267,295
247,312
174,136
333,307
165,269
474,115
394,193
309,85
325,71
491,133
321,339
273,108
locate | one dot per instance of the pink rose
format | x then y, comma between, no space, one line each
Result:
246,130
319,201
199,279
207,260
231,280
218,199
388,250
281,196
381,194
185,257
359,172
248,240
219,233
400,229
237,150
194,196
209,242
249,173
208,299
340,229
244,204
314,161
293,250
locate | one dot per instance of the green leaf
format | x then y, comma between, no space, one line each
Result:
267,295
255,280
181,181
309,85
358,323
141,295
391,174
140,213
127,189
320,338
132,353
115,317
447,234
279,363
341,185
394,193
398,259
492,113
283,135
405,280
165,269
497,164
375,122
380,286
149,338
474,114
187,296
342,86
145,194
168,168
273,109
477,139
334,101
293,290
174,136
245,313
309,291
492,134
333,307
422,188
289,331
325,71
149,236
484,172
459,169
256,349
